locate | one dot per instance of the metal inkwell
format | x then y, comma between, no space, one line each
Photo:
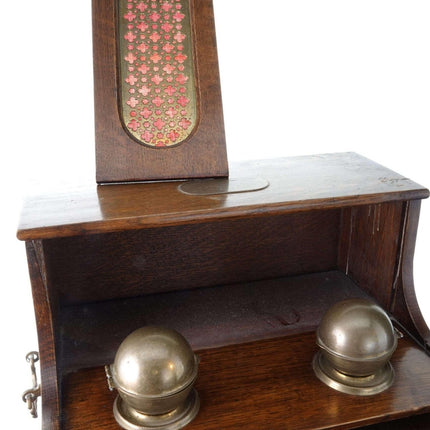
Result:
356,340
154,372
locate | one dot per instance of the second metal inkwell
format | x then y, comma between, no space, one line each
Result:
356,340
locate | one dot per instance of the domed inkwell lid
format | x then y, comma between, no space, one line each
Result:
356,340
154,371
154,362
357,329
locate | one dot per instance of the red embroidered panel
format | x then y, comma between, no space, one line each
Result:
158,96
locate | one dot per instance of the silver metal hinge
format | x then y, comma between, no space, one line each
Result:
109,378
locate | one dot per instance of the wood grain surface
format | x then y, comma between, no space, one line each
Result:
267,385
296,184
119,158
140,262
210,317
45,313
99,256
404,301
373,235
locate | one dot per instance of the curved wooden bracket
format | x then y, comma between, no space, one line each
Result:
404,304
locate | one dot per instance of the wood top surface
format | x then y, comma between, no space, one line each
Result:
294,184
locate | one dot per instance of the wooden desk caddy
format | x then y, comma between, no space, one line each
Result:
244,267
244,276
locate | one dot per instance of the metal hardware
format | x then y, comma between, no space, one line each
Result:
405,332
369,385
131,419
30,396
399,334
154,372
109,378
356,339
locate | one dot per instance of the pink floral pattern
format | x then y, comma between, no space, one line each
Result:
158,98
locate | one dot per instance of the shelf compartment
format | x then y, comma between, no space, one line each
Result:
245,277
140,262
267,384
207,317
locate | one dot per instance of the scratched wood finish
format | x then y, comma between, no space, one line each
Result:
373,263
296,184
118,157
266,384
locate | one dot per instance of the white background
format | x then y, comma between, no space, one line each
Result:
298,77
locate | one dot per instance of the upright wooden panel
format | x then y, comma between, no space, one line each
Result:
124,152
370,247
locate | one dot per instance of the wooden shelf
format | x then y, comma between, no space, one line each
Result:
267,384
207,317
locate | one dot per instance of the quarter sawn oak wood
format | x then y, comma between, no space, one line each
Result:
118,157
267,385
106,260
296,184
